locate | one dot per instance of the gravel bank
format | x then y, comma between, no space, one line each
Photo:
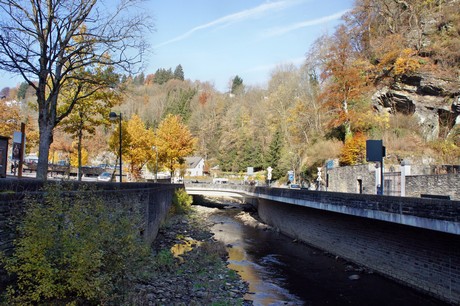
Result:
198,275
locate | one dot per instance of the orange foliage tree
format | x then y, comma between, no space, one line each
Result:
346,82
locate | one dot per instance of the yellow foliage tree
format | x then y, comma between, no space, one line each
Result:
139,150
92,108
407,62
9,119
74,157
354,150
174,142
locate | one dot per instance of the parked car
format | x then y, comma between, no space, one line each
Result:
294,186
105,177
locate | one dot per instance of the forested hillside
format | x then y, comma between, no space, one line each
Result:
391,72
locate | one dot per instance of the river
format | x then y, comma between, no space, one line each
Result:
281,271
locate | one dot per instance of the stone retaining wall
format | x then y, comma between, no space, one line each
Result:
442,184
346,179
432,180
153,200
424,259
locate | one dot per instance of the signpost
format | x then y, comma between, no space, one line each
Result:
375,151
269,174
19,140
291,176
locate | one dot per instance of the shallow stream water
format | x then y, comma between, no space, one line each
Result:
281,271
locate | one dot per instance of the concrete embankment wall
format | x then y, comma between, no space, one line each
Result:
424,259
152,200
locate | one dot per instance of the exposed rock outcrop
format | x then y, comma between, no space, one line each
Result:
434,101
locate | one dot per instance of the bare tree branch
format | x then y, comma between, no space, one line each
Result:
57,42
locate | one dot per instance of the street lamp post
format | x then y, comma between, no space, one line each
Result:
156,163
113,116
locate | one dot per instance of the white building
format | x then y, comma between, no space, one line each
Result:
195,166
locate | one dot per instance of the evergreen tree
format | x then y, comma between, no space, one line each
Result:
22,90
178,102
179,73
139,79
237,85
274,155
250,156
228,159
162,76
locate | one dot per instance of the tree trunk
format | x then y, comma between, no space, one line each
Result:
46,139
346,124
46,124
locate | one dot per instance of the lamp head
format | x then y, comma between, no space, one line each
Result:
113,116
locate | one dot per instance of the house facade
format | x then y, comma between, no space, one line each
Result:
195,166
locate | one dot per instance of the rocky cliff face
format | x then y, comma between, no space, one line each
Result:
434,101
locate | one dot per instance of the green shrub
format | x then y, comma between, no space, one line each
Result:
182,201
74,249
164,261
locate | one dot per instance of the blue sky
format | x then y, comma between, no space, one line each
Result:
214,40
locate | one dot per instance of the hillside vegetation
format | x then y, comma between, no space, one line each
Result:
391,72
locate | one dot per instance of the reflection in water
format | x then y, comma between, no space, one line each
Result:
282,272
265,287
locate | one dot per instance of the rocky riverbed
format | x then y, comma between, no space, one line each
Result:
190,267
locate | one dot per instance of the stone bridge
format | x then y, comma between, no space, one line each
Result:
432,214
415,241
236,192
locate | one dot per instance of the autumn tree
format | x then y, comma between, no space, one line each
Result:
9,118
354,150
89,112
78,157
61,148
47,42
174,142
139,150
206,119
114,141
345,80
236,132
286,89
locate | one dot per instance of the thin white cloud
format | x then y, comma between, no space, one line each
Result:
297,61
236,17
308,23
